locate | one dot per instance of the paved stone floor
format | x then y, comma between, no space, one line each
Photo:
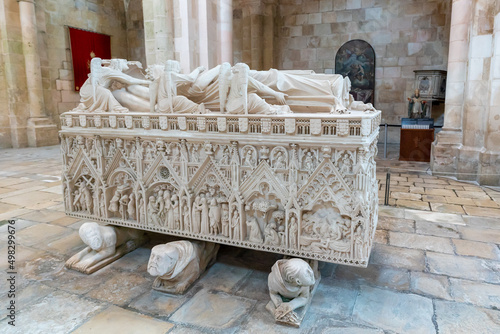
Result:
435,267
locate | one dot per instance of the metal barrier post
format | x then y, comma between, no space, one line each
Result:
387,187
385,141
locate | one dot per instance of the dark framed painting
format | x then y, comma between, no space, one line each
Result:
356,59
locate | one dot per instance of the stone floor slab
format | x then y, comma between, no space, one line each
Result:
396,224
480,294
430,285
482,222
158,303
254,286
44,216
27,295
23,254
472,194
67,245
406,195
436,217
453,318
480,234
440,192
59,312
396,279
486,203
115,320
213,310
29,196
417,190
394,311
437,229
13,214
482,212
19,225
381,237
5,207
434,199
6,182
425,242
464,267
121,288
223,276
345,293
137,261
397,257
54,190
389,211
460,201
478,249
65,221
41,233
77,283
42,267
447,208
419,205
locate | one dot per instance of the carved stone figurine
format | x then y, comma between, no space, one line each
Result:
416,106
290,283
179,263
105,244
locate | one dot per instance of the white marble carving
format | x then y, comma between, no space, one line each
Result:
105,244
97,93
178,264
291,283
299,184
120,86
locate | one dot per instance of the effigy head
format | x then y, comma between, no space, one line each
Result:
95,64
118,64
172,66
91,235
297,272
162,260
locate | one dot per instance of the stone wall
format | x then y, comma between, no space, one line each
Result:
52,18
102,16
406,34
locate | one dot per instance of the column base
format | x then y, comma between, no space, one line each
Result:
42,132
450,158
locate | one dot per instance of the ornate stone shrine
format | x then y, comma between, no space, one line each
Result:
295,183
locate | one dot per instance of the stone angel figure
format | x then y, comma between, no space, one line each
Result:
168,99
243,95
96,94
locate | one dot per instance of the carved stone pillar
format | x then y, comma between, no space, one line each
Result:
449,140
41,130
258,33
468,145
158,30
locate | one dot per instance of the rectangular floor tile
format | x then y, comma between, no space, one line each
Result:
118,320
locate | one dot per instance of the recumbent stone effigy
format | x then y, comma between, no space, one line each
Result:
279,161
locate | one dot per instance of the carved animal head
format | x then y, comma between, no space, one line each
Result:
162,260
297,272
91,235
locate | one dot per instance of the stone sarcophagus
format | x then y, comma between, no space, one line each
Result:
299,184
